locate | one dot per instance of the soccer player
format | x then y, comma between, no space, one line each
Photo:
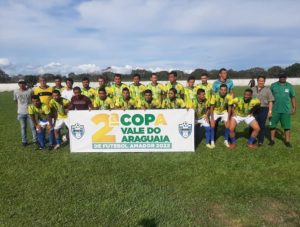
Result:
205,85
156,88
79,101
22,98
136,88
189,91
87,90
172,101
103,84
243,109
201,105
220,110
67,93
116,89
125,102
102,101
283,107
59,106
41,117
174,84
148,102
223,79
58,86
43,91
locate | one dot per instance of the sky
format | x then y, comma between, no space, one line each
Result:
62,36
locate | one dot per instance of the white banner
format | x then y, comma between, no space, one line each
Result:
132,130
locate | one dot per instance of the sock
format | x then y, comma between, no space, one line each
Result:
233,140
207,134
212,135
226,135
58,141
51,137
251,140
41,138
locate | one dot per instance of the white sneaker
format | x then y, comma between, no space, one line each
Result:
57,146
213,146
226,143
209,146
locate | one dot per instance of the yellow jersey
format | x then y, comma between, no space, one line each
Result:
90,93
137,91
242,108
40,113
153,104
116,91
45,94
60,107
201,108
106,104
189,95
177,103
179,88
126,104
206,87
158,91
220,103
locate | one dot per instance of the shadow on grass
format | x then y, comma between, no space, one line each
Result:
148,222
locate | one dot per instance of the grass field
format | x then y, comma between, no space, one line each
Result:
217,187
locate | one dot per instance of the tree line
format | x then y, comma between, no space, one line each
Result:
292,71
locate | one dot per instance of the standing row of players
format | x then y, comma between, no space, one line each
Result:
212,103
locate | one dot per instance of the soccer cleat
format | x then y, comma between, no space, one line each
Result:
272,142
288,144
226,143
209,146
252,146
232,146
57,146
213,145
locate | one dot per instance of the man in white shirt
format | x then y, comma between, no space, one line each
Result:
67,93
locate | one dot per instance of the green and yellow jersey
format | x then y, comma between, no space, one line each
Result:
137,91
115,91
176,103
40,113
152,104
107,89
201,108
60,107
126,104
189,95
90,93
106,104
158,91
220,103
242,108
179,88
45,94
206,87
60,89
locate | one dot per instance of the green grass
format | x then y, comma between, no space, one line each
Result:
207,188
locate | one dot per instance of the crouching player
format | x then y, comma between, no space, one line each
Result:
172,101
220,110
41,116
148,102
243,109
201,105
125,102
102,101
59,107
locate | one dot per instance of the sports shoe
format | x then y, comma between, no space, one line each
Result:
226,143
57,146
272,142
232,146
50,147
25,144
252,146
209,146
288,144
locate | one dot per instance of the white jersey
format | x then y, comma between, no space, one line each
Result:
67,94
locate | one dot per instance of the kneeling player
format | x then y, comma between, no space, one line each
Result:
243,109
41,116
220,110
125,102
59,106
173,102
102,102
148,102
201,105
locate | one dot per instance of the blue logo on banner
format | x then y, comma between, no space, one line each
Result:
77,130
185,129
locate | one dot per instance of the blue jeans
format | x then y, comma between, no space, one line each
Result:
23,119
261,118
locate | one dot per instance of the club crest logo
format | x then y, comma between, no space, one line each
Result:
185,129
77,130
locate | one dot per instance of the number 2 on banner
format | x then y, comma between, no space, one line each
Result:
101,135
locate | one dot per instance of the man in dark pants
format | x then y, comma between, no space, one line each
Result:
266,98
283,107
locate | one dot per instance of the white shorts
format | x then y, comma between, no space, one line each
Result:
59,123
202,122
248,120
224,117
43,123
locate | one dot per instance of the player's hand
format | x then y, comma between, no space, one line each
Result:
269,114
293,110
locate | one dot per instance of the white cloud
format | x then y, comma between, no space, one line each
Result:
86,68
4,62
